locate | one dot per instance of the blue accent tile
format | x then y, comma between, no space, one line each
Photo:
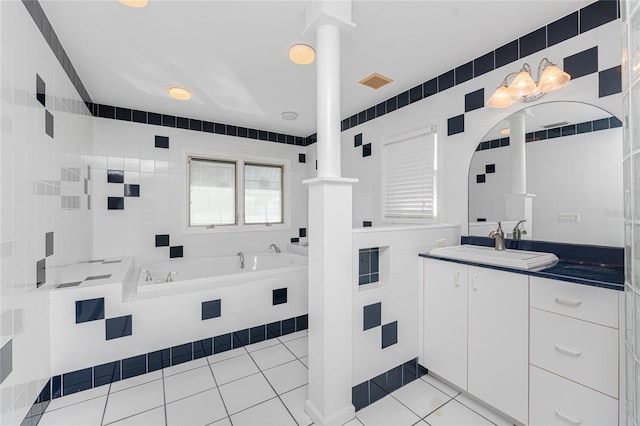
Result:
252,134
362,115
41,89
380,110
392,105
6,360
409,371
231,130
584,127
134,366
162,240
389,334
240,338
168,120
106,111
601,124
394,379
378,387
554,133
106,373
161,142
562,29
288,326
98,277
257,334
274,330
139,116
181,353
569,130
344,125
302,232
364,262
123,114
506,54
211,309
582,63
295,240
153,118
56,387
446,80
208,127
115,176
366,150
302,322
360,395
279,296
371,112
614,122
610,81
490,168
45,394
422,370
598,13
415,94
202,348
430,87
474,100
403,99
302,158
483,64
158,360
352,121
464,73
357,140
89,310
195,125
455,125
222,343
131,190
367,224
115,203
76,381
182,123
540,135
118,327
176,251
533,42
371,316
41,272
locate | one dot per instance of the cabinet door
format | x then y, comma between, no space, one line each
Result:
445,320
499,340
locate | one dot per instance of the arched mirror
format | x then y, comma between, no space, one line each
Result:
557,165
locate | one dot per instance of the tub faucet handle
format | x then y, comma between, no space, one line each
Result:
241,259
148,276
170,277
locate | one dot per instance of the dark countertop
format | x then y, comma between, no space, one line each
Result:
586,274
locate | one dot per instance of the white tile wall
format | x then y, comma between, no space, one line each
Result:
31,199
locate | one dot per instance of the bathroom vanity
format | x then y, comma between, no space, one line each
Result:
541,345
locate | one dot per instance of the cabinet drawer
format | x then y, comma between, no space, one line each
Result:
557,401
584,302
578,350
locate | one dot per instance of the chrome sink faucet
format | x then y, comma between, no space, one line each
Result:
498,236
241,259
275,248
517,232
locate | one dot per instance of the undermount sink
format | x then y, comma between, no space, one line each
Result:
517,259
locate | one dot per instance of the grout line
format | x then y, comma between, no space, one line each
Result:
164,398
425,417
106,401
405,406
465,405
218,388
133,415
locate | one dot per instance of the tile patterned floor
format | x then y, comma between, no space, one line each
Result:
258,385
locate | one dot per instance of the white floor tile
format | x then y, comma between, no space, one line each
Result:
134,400
154,417
287,376
185,366
305,361
246,392
272,356
494,417
200,409
226,355
269,413
420,397
233,369
188,383
87,413
300,347
440,385
136,381
455,414
293,336
77,397
353,422
261,345
222,422
294,400
387,412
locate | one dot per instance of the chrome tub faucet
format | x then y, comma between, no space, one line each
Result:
498,236
241,259
275,248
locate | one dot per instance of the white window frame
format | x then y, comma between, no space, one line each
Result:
398,137
240,160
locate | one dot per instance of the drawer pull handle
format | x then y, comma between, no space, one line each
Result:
568,301
475,282
567,418
568,351
458,279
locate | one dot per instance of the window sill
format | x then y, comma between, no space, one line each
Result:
235,228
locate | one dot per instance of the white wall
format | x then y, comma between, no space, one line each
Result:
130,147
31,191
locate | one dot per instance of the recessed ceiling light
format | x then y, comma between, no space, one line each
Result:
302,54
289,115
179,93
505,131
134,3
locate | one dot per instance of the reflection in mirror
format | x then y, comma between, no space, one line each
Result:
556,165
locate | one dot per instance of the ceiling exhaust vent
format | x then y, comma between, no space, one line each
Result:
375,81
554,125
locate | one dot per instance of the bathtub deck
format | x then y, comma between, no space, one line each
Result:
260,384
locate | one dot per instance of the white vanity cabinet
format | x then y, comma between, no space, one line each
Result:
476,332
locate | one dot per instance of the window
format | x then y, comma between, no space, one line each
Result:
219,189
410,175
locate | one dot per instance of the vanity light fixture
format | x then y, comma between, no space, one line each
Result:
179,93
302,54
524,88
134,3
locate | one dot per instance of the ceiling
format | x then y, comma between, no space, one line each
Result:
233,54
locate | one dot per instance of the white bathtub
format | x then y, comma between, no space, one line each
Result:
224,271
